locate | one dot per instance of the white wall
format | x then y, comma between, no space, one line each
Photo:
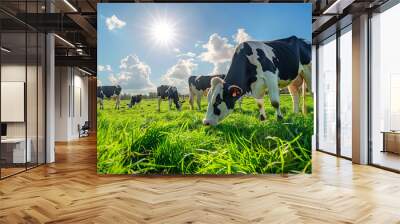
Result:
71,102
62,81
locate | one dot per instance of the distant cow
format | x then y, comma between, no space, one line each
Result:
109,91
259,66
198,86
135,100
170,93
100,98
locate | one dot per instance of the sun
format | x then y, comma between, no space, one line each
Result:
163,32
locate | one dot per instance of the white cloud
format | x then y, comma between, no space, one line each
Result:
198,43
221,68
218,52
114,80
134,76
176,50
178,74
218,49
99,83
187,54
241,36
104,68
114,23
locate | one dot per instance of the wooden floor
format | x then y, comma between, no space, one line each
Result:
70,191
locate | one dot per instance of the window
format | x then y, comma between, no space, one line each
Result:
385,89
327,95
346,92
22,77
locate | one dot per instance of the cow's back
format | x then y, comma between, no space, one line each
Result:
203,82
108,90
287,56
162,91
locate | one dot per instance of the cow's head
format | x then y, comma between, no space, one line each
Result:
222,96
173,94
221,101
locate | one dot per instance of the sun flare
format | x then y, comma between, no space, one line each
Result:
163,32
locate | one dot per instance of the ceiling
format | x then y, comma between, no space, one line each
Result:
75,22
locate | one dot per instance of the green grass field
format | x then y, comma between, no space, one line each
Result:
142,140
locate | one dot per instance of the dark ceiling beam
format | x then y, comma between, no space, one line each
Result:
49,22
16,18
90,31
91,5
321,22
77,61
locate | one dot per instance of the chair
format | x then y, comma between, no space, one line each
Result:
84,130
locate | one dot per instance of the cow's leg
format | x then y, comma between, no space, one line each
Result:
261,108
294,92
170,103
304,98
191,99
159,103
199,100
117,102
306,75
273,92
258,91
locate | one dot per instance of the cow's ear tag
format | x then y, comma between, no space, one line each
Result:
235,90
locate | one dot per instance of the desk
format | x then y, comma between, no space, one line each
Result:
391,141
13,150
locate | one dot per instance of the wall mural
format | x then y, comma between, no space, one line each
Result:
204,89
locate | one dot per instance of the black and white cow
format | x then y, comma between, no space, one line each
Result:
170,93
259,66
109,91
198,86
100,97
135,100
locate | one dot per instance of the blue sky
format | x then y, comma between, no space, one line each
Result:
194,39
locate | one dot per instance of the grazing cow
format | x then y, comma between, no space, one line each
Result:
100,98
135,100
198,86
170,93
256,67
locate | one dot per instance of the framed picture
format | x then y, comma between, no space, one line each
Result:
196,88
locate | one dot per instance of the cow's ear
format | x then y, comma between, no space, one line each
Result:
235,90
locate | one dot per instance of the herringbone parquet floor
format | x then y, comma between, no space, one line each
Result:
70,191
